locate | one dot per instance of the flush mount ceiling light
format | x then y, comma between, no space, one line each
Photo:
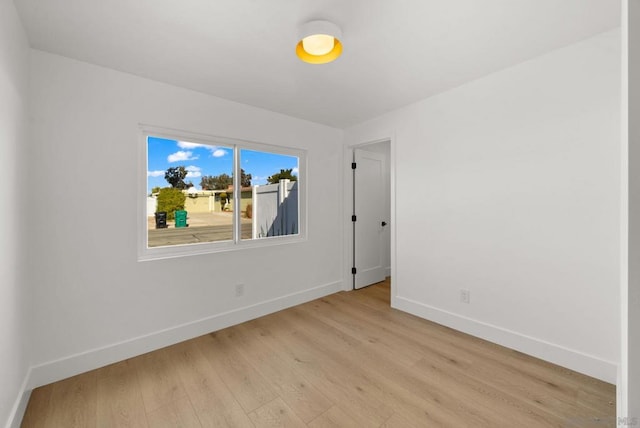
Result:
319,42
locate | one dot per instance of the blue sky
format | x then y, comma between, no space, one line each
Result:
200,160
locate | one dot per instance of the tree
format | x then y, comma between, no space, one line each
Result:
245,179
175,176
155,190
216,182
284,174
170,199
223,181
207,183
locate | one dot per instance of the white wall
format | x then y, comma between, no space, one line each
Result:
94,303
519,177
14,291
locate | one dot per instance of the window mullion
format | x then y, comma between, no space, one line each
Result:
237,192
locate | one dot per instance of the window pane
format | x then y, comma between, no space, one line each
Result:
269,200
189,192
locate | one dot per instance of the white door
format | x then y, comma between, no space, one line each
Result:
369,210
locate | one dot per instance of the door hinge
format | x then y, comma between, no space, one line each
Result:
353,165
353,271
353,218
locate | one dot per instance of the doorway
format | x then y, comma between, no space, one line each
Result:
371,216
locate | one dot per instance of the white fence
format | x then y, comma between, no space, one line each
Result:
152,204
275,209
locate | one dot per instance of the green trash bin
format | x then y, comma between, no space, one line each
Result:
181,218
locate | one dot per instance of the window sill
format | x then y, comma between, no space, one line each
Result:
174,251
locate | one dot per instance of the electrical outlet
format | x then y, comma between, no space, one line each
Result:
239,290
465,295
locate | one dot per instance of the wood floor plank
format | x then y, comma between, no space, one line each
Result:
37,412
345,320
276,414
73,402
398,421
392,367
334,417
367,410
159,382
213,402
246,384
120,401
300,395
177,414
343,360
425,407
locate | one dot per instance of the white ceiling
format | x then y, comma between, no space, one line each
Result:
395,52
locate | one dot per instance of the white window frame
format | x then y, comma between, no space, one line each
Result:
145,253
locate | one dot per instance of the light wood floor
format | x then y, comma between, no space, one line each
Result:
346,360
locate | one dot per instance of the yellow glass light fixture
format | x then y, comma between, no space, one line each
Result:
319,42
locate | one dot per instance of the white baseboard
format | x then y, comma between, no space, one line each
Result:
387,272
17,411
72,365
556,354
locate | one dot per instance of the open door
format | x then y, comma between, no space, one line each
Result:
369,218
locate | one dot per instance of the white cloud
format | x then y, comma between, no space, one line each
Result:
187,145
216,151
155,173
181,156
193,171
295,171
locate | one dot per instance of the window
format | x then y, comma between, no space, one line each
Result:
204,194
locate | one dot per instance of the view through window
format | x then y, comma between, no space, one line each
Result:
199,193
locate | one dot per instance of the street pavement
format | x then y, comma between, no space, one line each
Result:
203,227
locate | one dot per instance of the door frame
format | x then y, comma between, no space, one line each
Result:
348,206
